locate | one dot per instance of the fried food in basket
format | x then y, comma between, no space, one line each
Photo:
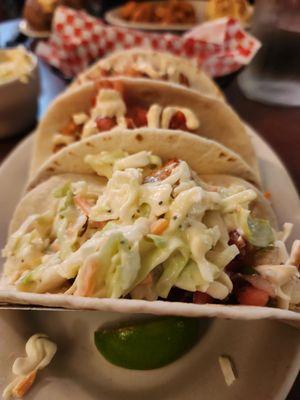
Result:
168,12
239,9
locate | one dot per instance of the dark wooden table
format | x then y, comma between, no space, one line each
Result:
279,126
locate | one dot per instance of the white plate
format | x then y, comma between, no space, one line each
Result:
113,18
266,354
27,31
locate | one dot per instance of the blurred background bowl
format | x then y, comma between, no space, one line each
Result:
19,102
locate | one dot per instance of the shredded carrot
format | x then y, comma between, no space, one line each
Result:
55,246
83,204
159,226
163,172
15,276
24,385
98,224
88,284
267,195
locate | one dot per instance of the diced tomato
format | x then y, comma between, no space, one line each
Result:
105,124
136,117
251,296
202,298
139,116
70,129
178,121
58,147
183,80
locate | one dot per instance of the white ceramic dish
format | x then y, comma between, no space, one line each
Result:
19,102
27,31
113,18
266,354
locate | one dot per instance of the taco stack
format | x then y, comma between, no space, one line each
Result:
134,103
149,203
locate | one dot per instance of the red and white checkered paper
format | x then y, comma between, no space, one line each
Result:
77,39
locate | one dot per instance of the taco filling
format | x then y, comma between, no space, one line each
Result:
140,66
153,232
114,108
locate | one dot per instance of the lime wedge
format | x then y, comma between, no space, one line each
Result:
148,344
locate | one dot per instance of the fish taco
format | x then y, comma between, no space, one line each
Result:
144,232
149,64
203,155
125,103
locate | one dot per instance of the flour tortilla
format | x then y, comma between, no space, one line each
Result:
157,61
204,156
217,120
38,200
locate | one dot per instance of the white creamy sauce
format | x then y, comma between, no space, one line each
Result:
59,138
154,67
153,116
192,121
80,118
159,117
39,353
109,104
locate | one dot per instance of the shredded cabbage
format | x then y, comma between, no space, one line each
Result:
141,237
